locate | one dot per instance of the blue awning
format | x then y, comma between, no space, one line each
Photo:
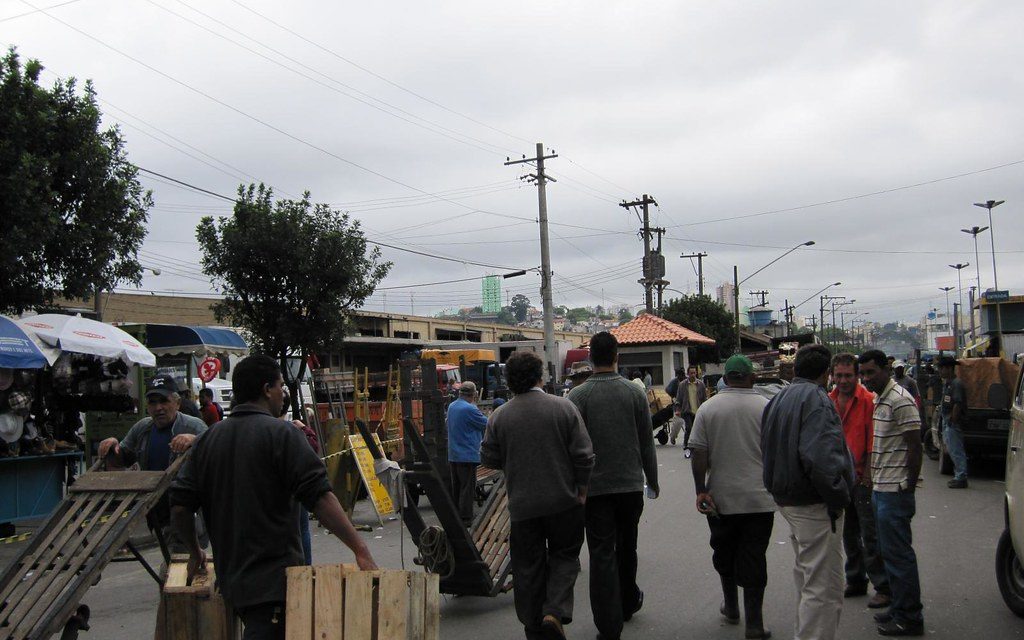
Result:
173,339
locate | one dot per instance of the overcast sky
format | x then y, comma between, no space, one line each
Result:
719,110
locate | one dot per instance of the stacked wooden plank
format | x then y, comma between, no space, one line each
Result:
193,611
42,587
491,535
341,602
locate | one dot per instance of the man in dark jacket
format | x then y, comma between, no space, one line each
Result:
809,472
689,396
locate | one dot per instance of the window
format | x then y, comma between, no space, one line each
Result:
650,361
410,335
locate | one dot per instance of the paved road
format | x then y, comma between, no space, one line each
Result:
955,534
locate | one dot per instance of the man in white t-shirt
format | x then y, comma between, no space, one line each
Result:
727,474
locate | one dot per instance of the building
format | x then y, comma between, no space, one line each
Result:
725,293
936,329
655,344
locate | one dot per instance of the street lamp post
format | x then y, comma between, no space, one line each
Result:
948,317
990,205
814,295
960,266
737,283
974,231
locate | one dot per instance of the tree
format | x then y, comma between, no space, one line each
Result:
577,315
708,318
625,315
505,316
290,271
74,211
520,306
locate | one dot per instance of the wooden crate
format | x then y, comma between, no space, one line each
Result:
340,602
196,611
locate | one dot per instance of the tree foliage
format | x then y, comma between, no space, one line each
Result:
578,314
625,315
520,306
74,211
706,317
505,316
290,271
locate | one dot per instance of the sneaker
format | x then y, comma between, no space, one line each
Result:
879,601
957,484
893,628
854,589
686,453
551,627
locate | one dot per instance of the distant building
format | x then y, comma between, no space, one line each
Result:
936,326
725,293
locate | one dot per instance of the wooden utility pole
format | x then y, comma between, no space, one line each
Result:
700,268
660,282
545,257
648,267
761,294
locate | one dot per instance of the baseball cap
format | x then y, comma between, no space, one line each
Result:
162,385
739,365
468,388
899,364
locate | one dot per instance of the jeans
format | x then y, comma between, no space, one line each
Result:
860,540
263,621
893,513
463,476
739,542
545,558
612,521
953,436
307,538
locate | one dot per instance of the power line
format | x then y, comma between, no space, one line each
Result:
185,184
35,11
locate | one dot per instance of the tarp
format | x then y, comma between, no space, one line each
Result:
76,334
17,350
174,339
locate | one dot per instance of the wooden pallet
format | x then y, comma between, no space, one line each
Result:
490,533
341,602
42,587
193,611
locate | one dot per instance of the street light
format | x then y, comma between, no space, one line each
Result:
947,290
816,294
974,231
737,283
990,205
960,266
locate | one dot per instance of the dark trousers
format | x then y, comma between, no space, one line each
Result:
739,542
464,488
860,540
263,622
893,513
612,521
306,535
545,558
688,419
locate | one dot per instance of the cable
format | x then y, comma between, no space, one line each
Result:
29,13
185,184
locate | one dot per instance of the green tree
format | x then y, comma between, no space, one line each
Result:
520,306
577,315
625,315
505,316
708,318
74,211
290,271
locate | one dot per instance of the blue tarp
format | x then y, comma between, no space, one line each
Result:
17,350
173,339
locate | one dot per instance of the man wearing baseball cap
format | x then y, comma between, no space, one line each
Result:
466,424
953,408
156,441
727,475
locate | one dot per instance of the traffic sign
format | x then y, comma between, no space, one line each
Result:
997,296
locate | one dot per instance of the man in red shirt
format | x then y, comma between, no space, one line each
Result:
209,410
855,405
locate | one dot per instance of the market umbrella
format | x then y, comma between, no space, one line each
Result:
17,350
82,335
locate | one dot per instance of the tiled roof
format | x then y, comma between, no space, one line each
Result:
648,328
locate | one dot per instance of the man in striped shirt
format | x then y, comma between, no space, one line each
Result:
895,465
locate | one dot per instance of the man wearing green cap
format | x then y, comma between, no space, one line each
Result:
727,470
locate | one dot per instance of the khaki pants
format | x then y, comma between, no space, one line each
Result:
818,572
675,425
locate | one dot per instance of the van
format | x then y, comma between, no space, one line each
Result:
1009,573
222,394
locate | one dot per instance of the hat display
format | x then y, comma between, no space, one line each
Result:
10,427
739,365
163,385
6,379
20,402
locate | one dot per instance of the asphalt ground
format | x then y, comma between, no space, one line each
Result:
955,534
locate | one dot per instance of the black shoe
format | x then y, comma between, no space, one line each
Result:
732,617
957,484
884,617
856,589
551,628
893,628
880,601
627,616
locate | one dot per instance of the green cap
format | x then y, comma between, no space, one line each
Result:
740,365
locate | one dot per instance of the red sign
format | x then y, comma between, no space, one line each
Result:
208,369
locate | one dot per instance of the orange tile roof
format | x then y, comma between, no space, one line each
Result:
648,328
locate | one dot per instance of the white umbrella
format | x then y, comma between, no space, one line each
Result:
82,335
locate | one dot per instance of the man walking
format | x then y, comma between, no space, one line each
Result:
856,406
690,395
952,409
541,444
895,465
809,473
899,374
249,475
675,423
466,424
726,444
618,419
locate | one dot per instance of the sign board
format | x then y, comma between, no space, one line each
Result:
208,369
996,296
379,496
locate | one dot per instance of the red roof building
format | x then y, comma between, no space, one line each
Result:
651,344
648,328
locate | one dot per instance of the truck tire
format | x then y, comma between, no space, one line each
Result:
945,462
1009,574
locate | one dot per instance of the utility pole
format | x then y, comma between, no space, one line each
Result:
700,268
761,294
661,282
736,306
545,257
787,313
648,266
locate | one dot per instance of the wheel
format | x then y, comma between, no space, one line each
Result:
945,462
1009,574
662,436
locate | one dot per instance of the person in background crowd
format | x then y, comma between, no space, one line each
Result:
691,394
540,442
314,444
895,465
466,424
856,406
952,410
187,405
899,370
727,475
809,472
931,383
618,419
648,379
676,423
210,411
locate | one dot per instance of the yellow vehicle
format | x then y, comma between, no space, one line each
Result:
1009,573
451,356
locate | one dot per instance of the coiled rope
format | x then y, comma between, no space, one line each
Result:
435,552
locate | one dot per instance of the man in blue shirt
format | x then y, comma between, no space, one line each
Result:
466,424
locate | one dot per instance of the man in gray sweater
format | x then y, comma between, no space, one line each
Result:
539,441
619,421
